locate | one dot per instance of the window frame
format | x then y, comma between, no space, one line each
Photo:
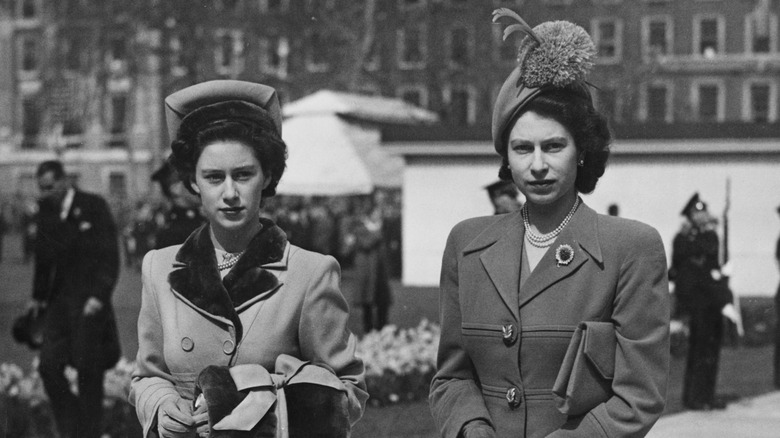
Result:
696,40
596,36
747,99
420,88
471,110
750,32
470,46
669,36
644,100
237,52
401,48
270,45
695,97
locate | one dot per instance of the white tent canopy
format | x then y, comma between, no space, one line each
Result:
366,108
333,155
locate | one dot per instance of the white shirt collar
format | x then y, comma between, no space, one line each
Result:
67,203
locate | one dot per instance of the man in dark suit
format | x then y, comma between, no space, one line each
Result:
76,268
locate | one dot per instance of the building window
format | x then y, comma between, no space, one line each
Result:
411,47
274,5
708,101
28,48
273,55
31,121
708,36
461,105
316,52
761,33
229,52
760,101
28,9
414,94
657,37
118,118
658,103
607,36
459,47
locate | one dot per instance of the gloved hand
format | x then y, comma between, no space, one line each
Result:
175,420
730,312
477,429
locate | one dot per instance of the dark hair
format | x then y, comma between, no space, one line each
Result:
260,135
588,128
53,166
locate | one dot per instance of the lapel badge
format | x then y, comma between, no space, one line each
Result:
564,254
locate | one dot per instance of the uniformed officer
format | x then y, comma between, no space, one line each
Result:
703,297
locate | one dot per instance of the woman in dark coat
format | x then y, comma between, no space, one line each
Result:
515,286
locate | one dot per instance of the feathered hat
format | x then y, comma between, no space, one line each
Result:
553,55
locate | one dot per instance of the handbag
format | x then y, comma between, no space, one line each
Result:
28,328
585,378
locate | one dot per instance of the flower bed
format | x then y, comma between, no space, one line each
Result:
400,363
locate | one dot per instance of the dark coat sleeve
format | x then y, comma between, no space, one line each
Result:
106,251
455,398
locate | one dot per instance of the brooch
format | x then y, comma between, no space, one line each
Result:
564,254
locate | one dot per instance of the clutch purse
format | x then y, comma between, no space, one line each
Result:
585,378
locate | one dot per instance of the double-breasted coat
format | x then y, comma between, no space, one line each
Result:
502,345
278,299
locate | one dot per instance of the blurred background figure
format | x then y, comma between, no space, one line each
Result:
702,298
373,294
4,225
29,227
504,197
180,215
777,313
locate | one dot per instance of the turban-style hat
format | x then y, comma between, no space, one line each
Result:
553,55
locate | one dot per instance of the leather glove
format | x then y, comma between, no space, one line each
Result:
477,429
174,419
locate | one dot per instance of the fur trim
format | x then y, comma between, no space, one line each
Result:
197,278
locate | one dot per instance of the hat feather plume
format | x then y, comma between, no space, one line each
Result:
520,26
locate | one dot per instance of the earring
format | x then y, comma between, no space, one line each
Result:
581,162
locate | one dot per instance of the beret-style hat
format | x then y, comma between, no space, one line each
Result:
553,55
222,99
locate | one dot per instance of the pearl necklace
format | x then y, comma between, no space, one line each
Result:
545,240
229,259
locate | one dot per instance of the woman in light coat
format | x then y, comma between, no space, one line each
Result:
236,292
515,286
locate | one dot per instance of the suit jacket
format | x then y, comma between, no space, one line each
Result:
502,346
278,299
76,258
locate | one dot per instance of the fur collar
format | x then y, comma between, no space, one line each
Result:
196,278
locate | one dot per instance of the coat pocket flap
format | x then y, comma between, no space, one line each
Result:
599,346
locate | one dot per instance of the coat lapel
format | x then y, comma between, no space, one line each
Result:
581,235
503,246
195,276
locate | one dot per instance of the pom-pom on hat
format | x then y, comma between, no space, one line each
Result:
221,100
553,55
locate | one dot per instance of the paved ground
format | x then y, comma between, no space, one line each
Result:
744,372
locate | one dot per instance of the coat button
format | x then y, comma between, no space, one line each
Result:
187,344
509,333
513,397
228,347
